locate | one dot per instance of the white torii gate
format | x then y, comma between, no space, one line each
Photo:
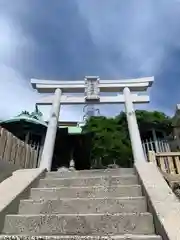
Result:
91,87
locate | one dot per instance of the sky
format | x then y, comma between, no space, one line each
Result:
69,39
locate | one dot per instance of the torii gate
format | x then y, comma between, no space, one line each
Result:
91,87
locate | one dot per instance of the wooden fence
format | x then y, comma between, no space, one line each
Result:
16,151
168,164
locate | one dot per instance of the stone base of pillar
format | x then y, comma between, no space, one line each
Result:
66,169
113,166
72,165
63,169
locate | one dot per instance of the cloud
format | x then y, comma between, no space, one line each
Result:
138,31
113,39
141,36
27,51
16,94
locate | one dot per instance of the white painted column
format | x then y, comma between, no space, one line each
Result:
134,133
48,150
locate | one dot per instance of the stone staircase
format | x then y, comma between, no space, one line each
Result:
89,204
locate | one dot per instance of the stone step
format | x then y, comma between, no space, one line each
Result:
77,237
86,192
83,206
88,181
96,172
81,224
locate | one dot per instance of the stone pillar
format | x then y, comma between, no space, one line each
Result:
48,150
134,133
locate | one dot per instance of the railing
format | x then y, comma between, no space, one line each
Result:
17,152
161,145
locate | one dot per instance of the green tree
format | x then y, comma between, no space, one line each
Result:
111,143
156,120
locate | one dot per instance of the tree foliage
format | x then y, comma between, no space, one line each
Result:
111,143
157,120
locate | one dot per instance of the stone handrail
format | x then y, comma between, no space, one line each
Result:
15,188
162,203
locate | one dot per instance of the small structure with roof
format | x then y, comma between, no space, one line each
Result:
70,141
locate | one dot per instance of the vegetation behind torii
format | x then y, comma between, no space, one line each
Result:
111,142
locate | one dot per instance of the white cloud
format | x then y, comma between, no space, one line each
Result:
143,32
16,93
136,30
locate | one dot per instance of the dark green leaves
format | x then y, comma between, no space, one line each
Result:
111,143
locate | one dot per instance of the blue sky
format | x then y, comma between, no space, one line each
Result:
69,39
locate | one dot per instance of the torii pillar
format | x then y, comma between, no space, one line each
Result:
48,149
133,128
